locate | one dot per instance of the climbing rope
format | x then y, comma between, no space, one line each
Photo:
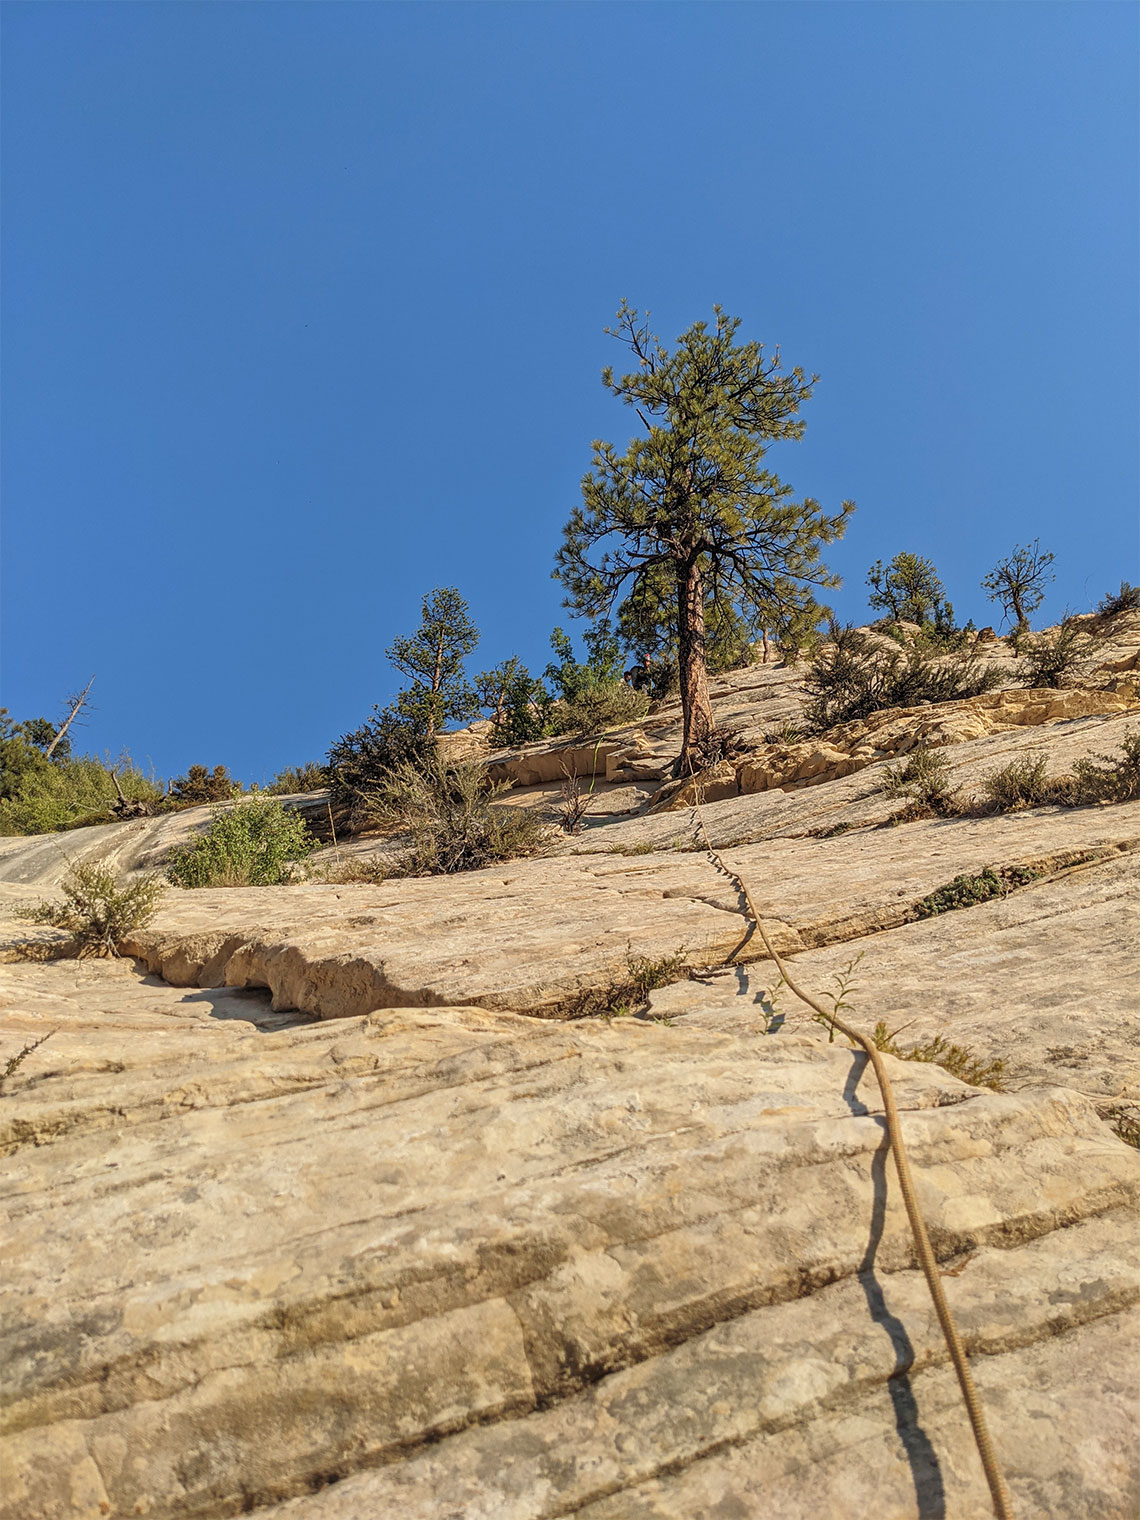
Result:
999,1493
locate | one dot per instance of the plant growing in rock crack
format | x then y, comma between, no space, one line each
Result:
13,1063
959,1060
629,993
844,984
97,911
966,890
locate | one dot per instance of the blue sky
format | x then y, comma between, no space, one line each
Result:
303,312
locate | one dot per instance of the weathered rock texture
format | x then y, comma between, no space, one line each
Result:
324,1222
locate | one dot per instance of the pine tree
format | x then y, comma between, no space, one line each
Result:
908,590
433,658
690,496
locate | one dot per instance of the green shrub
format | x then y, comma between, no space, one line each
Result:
924,778
311,777
52,796
959,1060
96,910
854,676
201,785
1051,658
255,842
361,760
1127,599
1023,783
593,696
1108,778
450,813
598,706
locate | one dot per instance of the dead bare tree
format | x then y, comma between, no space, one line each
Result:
76,704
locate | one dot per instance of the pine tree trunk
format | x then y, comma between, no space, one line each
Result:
695,702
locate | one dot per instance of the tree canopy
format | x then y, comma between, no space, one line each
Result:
433,658
690,498
909,590
1018,582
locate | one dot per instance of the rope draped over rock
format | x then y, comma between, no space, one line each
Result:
999,1492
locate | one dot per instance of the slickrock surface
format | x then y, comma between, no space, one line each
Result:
244,1264
325,1223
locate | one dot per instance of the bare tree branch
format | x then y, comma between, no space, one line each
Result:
77,705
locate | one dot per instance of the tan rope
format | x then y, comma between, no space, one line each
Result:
999,1493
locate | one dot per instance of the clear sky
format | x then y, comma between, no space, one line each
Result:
303,311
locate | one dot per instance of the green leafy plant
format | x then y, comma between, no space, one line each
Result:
959,1060
452,817
433,658
967,890
51,796
361,760
201,785
591,695
840,998
1023,783
909,590
97,910
255,842
690,502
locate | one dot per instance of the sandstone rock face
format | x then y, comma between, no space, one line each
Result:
531,1267
327,1205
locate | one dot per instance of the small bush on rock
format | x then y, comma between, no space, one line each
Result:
451,815
97,911
361,760
310,777
965,891
1051,658
1127,599
256,842
924,778
854,676
1023,783
592,696
1108,778
201,785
